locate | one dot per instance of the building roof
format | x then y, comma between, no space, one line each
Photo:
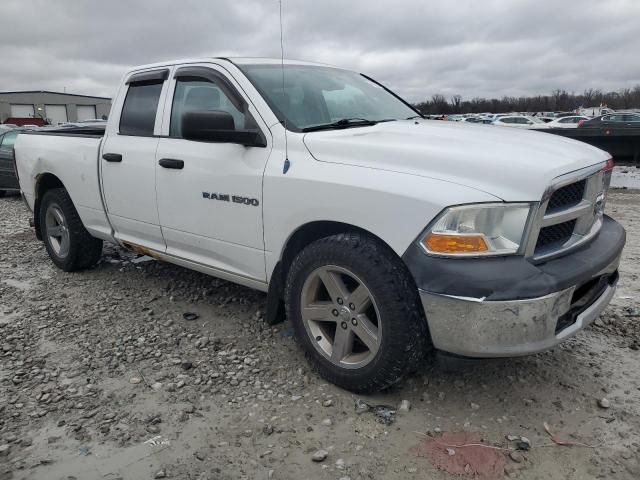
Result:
55,93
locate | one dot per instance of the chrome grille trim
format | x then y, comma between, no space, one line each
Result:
588,222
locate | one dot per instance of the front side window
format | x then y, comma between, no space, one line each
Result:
313,95
8,141
198,94
140,106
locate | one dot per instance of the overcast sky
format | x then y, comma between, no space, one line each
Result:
486,48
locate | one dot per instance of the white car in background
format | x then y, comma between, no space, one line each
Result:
521,121
567,122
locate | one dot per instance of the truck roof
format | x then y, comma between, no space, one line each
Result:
234,60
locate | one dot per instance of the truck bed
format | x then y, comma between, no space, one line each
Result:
75,131
68,156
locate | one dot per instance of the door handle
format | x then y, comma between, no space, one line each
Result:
112,157
172,163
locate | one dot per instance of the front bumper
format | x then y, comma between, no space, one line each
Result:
510,307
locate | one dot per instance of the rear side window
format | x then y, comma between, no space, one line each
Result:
140,106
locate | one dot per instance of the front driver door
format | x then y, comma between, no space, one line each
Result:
210,194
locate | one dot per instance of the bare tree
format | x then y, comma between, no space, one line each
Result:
559,100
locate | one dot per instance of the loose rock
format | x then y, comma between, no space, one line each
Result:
516,457
604,403
320,456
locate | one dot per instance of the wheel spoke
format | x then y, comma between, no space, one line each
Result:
55,231
367,332
360,298
58,216
342,344
64,245
319,312
334,285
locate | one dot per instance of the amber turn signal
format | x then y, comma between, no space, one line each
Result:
442,243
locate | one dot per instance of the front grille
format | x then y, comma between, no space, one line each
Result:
555,234
567,196
567,215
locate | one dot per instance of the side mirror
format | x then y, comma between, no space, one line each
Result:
217,126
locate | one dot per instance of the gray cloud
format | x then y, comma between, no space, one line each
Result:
417,47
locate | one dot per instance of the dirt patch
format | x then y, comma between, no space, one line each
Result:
463,453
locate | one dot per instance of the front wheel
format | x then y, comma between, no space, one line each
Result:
356,312
68,243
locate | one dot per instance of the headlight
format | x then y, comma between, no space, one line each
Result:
482,229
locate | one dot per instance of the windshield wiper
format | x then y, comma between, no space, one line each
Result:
414,116
345,123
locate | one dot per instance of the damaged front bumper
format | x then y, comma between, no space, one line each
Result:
478,328
501,307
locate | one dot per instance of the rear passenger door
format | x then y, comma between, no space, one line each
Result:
128,160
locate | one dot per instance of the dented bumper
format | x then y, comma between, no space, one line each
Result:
474,328
510,306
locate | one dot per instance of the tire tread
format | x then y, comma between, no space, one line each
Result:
391,275
85,250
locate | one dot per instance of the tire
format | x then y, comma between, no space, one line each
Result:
68,243
2,193
385,337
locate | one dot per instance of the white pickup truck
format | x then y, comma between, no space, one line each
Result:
383,234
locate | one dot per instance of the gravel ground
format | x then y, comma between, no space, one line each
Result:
138,369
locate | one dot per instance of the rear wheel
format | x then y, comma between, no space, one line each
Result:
356,312
68,243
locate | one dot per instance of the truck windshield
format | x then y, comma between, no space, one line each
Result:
316,97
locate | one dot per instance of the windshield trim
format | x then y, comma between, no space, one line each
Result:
288,124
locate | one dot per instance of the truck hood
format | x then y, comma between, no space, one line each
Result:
510,164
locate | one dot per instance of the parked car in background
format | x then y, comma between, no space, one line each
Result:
8,179
564,114
613,120
594,111
520,121
496,116
546,119
567,122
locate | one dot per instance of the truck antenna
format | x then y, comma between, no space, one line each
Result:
287,164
